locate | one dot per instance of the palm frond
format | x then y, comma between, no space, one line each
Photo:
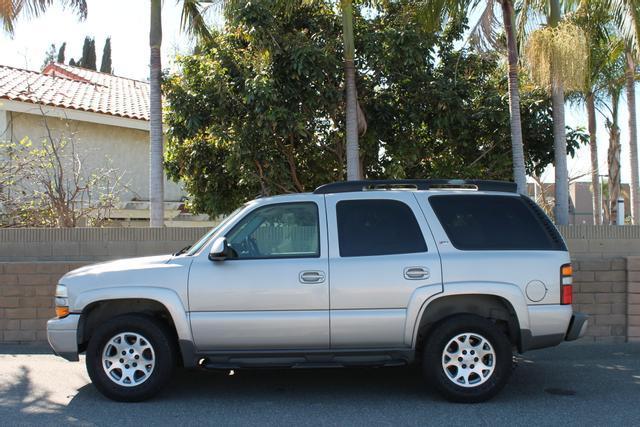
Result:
627,16
530,16
485,34
432,14
10,10
192,18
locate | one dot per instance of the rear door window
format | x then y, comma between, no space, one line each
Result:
479,222
377,227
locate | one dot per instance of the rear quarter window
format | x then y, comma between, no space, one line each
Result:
479,222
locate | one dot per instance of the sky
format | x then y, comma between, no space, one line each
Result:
127,23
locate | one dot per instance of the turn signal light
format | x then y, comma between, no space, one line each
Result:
62,311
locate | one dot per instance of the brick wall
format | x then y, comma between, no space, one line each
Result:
92,244
600,290
633,301
606,289
26,299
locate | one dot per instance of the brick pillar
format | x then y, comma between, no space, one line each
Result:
600,288
633,299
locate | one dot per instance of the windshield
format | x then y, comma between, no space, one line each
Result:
203,241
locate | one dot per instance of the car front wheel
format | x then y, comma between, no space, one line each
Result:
130,358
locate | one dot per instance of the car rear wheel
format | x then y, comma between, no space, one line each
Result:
130,357
467,359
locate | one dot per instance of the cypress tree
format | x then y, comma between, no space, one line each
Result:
88,59
72,62
105,65
60,58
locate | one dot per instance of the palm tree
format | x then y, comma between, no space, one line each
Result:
613,82
555,55
351,100
192,22
627,14
517,148
595,19
559,133
630,84
484,35
11,10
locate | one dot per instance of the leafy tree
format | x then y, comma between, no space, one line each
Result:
88,59
433,13
73,63
258,110
60,57
44,184
105,65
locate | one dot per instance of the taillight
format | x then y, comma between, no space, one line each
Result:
566,284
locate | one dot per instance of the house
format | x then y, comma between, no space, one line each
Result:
580,200
108,115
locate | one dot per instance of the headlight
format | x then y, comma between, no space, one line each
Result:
62,301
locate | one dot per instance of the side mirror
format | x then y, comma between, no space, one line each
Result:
219,250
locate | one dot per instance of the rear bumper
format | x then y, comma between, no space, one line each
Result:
550,326
62,336
577,326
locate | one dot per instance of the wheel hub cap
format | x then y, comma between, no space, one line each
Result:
468,360
128,359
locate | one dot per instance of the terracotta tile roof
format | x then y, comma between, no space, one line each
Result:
61,85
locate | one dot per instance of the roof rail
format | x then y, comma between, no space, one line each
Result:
416,184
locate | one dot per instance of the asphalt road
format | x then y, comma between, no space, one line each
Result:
569,385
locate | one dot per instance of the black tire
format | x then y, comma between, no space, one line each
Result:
158,336
440,338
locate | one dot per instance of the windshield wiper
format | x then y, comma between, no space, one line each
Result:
183,250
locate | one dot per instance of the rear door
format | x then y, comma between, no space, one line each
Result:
380,251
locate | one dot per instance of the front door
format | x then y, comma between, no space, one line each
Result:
274,292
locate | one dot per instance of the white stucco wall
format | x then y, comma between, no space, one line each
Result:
98,145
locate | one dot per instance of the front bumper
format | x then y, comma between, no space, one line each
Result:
577,326
62,335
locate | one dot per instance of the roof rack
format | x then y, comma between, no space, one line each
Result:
416,184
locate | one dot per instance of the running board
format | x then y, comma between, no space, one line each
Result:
305,360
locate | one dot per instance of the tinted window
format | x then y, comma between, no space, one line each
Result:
286,230
377,227
492,223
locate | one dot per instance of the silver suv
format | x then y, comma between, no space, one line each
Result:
453,275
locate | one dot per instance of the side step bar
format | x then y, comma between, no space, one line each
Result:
307,365
305,360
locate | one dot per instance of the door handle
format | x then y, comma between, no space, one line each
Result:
416,273
311,277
